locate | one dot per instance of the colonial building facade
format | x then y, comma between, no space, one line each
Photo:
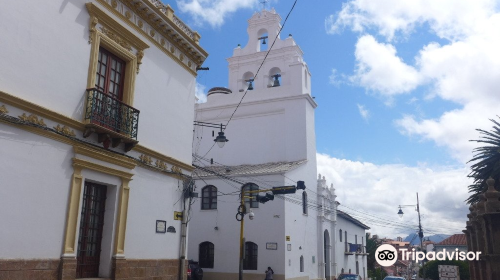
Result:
270,115
96,104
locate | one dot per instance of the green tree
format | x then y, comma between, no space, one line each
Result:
371,246
431,269
377,273
487,162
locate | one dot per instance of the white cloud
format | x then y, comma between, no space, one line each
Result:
365,114
379,69
462,69
379,189
334,78
213,12
450,19
200,94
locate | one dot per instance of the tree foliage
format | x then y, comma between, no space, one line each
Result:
486,162
431,269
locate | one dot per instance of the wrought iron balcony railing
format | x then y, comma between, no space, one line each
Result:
111,116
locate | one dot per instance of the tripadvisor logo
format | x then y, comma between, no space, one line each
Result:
387,255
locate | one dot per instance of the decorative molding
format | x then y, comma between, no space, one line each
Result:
77,162
65,130
3,110
146,159
67,121
176,169
121,219
160,164
167,31
39,110
105,156
119,40
92,27
32,119
72,214
141,149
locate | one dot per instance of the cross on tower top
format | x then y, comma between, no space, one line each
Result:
264,2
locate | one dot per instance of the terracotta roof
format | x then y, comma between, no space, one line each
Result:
249,169
456,239
350,218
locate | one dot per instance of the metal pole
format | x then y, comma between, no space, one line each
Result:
420,233
242,224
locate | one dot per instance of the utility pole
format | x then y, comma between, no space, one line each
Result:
240,216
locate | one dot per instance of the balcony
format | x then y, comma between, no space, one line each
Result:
113,121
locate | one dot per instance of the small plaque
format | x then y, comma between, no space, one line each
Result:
271,246
177,215
287,238
161,226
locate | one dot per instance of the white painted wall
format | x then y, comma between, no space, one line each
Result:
35,179
349,261
153,196
46,60
267,226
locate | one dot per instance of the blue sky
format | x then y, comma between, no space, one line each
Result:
401,87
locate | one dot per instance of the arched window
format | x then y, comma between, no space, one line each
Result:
206,255
304,202
262,40
274,77
209,197
301,263
251,252
251,199
340,235
247,81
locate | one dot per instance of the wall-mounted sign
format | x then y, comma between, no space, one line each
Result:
171,229
161,226
287,238
271,246
177,215
289,247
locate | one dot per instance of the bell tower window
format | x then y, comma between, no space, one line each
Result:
274,77
262,41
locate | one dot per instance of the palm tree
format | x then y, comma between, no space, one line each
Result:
487,162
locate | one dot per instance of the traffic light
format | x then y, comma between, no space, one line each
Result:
284,190
301,185
265,198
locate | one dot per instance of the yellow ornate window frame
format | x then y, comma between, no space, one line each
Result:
106,32
75,199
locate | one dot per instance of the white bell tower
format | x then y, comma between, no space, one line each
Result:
275,120
284,71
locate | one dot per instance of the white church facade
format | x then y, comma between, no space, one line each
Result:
270,115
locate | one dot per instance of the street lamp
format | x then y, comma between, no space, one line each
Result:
420,232
221,138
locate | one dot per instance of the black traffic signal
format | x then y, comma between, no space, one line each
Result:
284,190
301,185
265,198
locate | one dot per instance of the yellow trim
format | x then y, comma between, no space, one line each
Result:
73,209
39,110
116,39
101,168
105,156
54,116
121,220
172,41
141,149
